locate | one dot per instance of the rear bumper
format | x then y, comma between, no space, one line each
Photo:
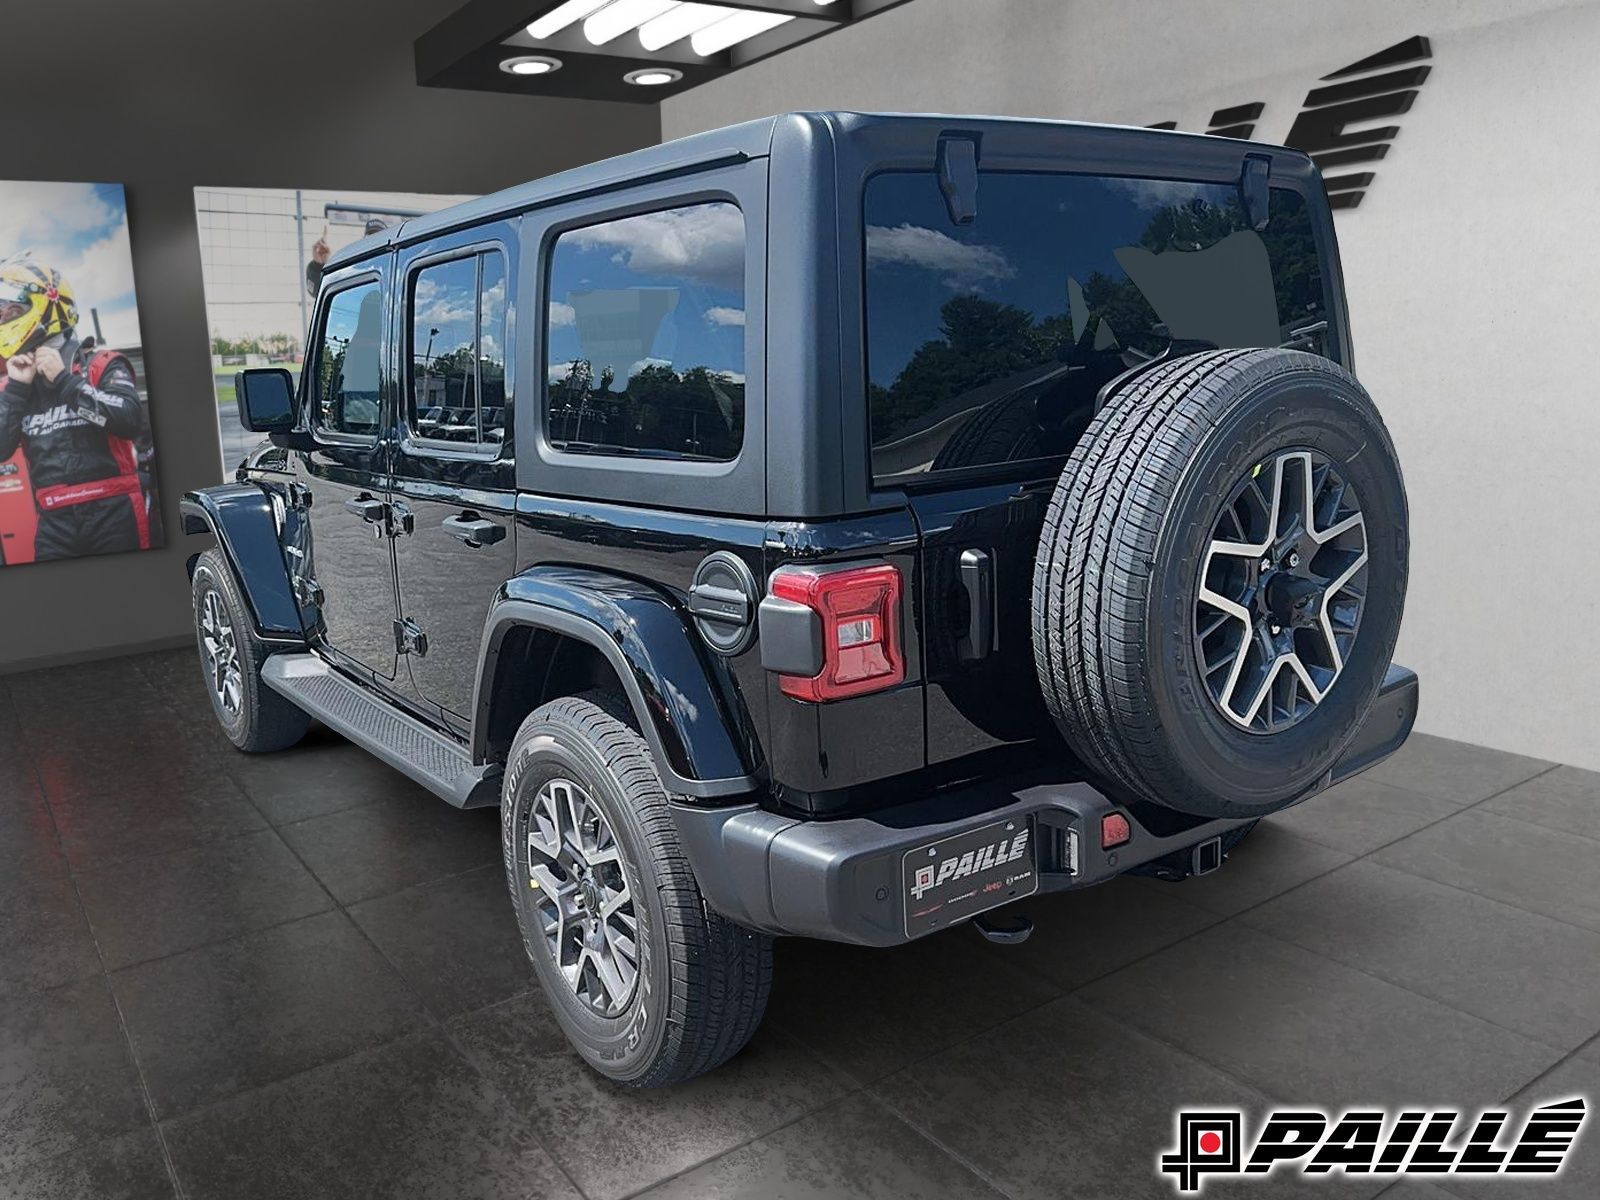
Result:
846,880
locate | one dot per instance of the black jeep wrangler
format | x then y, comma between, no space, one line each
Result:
835,525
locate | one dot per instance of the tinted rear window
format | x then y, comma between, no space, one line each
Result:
987,342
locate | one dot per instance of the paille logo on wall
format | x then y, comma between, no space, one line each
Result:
1378,87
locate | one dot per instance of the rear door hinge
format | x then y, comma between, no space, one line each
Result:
409,638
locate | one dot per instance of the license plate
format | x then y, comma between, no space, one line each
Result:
954,878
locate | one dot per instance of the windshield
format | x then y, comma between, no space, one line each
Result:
988,342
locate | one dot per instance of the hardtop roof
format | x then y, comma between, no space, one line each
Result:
733,143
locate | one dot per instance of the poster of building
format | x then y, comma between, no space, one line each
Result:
77,463
261,252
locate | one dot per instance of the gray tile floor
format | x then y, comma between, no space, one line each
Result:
298,976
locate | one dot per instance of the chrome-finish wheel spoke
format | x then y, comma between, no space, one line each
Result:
582,896
1281,588
220,653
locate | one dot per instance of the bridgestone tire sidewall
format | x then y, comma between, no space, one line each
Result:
623,1047
1236,773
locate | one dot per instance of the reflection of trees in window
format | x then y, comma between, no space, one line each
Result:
982,342
696,414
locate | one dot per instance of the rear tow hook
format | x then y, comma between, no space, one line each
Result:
1012,934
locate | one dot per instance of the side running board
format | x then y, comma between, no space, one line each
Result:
434,761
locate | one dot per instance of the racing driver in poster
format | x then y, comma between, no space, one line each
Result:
76,415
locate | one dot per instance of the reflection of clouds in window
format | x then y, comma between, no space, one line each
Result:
441,304
645,335
962,266
1151,194
494,299
635,368
705,243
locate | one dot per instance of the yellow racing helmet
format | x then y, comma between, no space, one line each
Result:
35,304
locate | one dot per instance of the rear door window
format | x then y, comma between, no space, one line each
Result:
457,362
988,342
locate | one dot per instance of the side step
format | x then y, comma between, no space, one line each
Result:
434,761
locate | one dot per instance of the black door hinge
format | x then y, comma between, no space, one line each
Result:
409,638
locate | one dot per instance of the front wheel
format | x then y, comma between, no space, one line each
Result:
649,985
255,718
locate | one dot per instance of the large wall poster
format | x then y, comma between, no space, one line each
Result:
261,253
76,459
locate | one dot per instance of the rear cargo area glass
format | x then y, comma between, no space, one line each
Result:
988,342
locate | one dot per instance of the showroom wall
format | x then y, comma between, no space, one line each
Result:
1471,264
289,93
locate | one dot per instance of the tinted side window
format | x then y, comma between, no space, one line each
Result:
348,394
987,343
457,361
645,346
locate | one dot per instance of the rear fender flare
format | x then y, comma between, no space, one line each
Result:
691,718
241,518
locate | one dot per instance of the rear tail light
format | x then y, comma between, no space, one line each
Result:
857,625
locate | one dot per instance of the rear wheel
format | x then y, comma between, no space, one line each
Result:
650,985
255,718
1220,580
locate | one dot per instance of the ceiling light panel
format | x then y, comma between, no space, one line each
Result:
623,16
630,50
563,15
731,30
679,22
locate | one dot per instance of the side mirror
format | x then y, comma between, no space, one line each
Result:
265,396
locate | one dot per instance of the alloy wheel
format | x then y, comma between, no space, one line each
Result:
220,649
582,896
1282,586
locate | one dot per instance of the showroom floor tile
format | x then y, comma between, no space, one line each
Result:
299,975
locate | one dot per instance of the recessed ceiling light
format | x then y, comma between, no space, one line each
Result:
559,18
653,76
530,64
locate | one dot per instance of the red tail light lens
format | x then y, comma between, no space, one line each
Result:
859,608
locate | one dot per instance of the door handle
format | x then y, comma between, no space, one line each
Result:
474,531
365,507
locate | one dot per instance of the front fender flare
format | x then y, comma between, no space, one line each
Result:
687,714
240,516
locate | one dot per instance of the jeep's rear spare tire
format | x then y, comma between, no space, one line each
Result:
1220,580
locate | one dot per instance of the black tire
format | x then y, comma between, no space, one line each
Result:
1116,579
702,981
261,721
